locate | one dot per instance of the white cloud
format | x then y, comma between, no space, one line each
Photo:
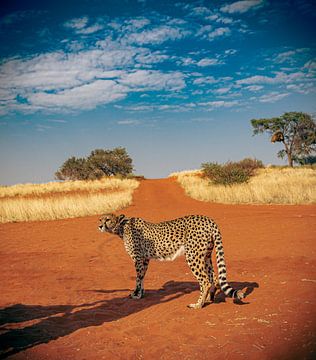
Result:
148,57
77,23
186,61
204,29
136,24
219,32
82,80
204,80
272,97
254,87
220,19
59,70
223,90
201,11
284,56
207,32
86,96
230,52
80,26
156,35
310,65
279,78
141,80
242,6
209,62
303,88
90,29
219,104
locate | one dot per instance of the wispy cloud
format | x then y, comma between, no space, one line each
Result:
242,6
80,26
209,62
129,122
143,80
86,96
157,35
219,32
208,32
279,78
273,97
219,104
223,90
254,87
204,80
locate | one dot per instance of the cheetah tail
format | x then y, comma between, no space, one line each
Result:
221,266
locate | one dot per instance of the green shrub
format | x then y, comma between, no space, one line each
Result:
231,172
251,164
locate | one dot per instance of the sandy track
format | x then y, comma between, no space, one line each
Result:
64,287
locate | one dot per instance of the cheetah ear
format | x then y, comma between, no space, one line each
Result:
121,219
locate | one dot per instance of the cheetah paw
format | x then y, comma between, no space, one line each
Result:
194,306
137,295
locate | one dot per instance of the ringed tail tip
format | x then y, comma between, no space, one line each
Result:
238,294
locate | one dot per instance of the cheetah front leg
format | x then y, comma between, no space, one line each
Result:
141,266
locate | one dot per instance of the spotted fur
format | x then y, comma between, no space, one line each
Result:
193,235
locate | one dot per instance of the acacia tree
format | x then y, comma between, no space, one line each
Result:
99,163
110,162
296,130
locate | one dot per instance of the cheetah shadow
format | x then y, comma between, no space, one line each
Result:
246,287
56,321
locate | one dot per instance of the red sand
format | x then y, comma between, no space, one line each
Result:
64,287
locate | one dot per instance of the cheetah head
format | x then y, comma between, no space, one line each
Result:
111,223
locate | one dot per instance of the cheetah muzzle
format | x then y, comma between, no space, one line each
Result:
192,235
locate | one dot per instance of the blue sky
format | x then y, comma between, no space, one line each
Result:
176,83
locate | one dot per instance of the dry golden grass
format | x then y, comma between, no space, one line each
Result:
66,205
110,183
185,173
269,186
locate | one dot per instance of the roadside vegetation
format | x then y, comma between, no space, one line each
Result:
272,185
231,172
64,200
29,190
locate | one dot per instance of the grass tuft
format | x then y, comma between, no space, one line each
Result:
268,186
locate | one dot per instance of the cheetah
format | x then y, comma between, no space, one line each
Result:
192,235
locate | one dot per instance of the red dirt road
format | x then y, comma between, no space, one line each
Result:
64,287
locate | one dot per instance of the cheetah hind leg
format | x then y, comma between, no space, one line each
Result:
214,289
212,276
205,287
203,279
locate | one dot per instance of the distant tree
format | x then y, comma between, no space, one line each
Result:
99,163
110,162
296,130
72,169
